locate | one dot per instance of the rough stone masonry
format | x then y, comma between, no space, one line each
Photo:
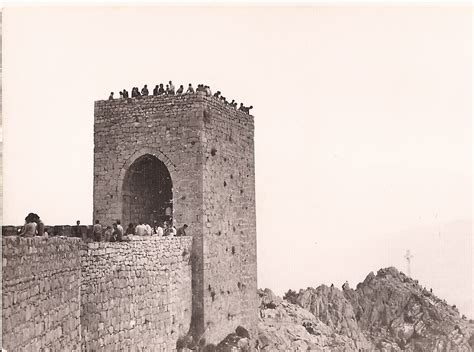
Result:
61,294
136,295
41,294
189,157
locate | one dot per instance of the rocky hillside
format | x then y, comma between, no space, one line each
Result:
396,313
286,326
386,312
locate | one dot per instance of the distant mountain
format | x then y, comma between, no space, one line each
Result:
386,312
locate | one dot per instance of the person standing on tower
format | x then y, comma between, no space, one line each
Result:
161,90
190,89
171,88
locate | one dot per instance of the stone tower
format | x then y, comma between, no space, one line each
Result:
189,158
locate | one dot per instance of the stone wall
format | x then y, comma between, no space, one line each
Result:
136,294
41,280
230,258
61,294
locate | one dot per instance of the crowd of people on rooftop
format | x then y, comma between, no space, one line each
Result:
169,89
34,226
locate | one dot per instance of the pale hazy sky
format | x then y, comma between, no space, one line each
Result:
362,116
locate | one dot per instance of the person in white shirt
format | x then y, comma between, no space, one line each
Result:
173,231
148,230
120,227
140,230
171,88
158,229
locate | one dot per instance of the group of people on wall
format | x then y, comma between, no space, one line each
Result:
170,90
34,226
116,233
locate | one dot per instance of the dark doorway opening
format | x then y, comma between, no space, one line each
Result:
147,192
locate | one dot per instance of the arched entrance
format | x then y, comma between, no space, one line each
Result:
147,191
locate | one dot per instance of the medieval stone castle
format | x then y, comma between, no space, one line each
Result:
188,156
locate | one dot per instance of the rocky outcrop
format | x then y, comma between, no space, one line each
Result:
329,305
397,314
285,326
387,312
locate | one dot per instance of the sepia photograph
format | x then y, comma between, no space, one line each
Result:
237,177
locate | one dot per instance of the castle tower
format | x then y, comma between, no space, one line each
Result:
189,158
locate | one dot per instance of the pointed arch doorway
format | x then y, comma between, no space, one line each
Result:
147,191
